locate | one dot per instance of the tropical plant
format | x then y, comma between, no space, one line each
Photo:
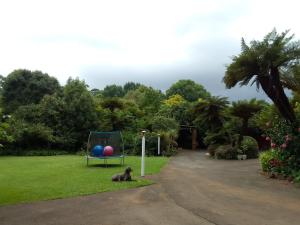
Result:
245,109
264,116
290,78
210,112
249,147
264,62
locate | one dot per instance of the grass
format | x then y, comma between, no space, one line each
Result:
28,179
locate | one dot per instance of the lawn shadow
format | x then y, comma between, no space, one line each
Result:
106,165
128,181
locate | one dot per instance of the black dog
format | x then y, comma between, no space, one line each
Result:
123,177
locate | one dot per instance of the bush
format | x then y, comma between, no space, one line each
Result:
212,138
29,135
162,123
250,147
271,161
296,176
45,152
36,152
168,144
212,149
226,152
265,158
285,141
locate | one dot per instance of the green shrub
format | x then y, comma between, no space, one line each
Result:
264,158
296,176
212,149
285,141
226,152
220,137
250,147
168,144
271,161
162,123
34,152
45,152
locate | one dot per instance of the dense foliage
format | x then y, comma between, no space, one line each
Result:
249,147
284,156
58,120
38,116
188,89
23,87
265,63
272,64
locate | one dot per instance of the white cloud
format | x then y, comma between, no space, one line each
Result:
69,38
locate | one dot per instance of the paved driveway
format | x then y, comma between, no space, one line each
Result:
192,189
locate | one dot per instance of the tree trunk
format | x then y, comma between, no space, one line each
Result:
280,95
245,126
243,132
276,93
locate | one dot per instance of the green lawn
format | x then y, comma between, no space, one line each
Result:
27,179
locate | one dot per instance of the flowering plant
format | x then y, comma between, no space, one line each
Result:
285,142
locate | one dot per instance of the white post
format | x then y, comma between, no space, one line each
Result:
158,144
143,154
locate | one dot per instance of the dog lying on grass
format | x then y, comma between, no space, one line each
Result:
123,177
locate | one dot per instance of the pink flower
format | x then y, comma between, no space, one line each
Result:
268,138
284,145
273,145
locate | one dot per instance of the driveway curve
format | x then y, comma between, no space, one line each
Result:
191,189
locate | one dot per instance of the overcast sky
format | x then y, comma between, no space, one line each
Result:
155,42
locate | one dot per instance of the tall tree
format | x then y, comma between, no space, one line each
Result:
113,91
188,89
130,86
23,87
179,109
147,98
265,62
245,109
210,112
71,114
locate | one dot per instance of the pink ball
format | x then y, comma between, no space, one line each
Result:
108,151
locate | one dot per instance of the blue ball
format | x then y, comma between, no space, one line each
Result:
97,150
